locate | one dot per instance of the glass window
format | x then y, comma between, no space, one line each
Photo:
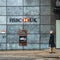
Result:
14,46
45,10
32,28
31,2
14,2
31,11
45,38
32,46
33,38
2,10
14,10
33,19
2,19
14,19
2,28
45,19
14,28
13,38
2,38
2,2
45,2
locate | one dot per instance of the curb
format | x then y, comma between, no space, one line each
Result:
32,56
48,56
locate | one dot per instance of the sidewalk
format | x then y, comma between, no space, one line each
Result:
30,53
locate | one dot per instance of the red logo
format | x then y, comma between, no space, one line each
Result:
25,19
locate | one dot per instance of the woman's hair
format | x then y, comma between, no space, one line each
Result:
51,32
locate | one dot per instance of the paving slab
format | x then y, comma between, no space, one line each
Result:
30,53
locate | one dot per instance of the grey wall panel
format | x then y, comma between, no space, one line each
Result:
14,10
2,2
44,38
45,28
14,46
53,27
32,28
14,2
12,38
45,10
2,10
45,19
14,28
43,46
46,2
2,19
33,38
32,46
31,2
2,46
31,11
2,38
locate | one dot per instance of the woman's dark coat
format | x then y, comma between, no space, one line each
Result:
51,41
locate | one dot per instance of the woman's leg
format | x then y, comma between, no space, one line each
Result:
51,49
54,50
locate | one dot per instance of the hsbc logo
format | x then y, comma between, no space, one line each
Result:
22,20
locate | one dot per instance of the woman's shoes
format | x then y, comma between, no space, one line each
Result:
51,52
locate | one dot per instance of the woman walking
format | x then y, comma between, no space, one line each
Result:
51,42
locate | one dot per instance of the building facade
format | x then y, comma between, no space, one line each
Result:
42,19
